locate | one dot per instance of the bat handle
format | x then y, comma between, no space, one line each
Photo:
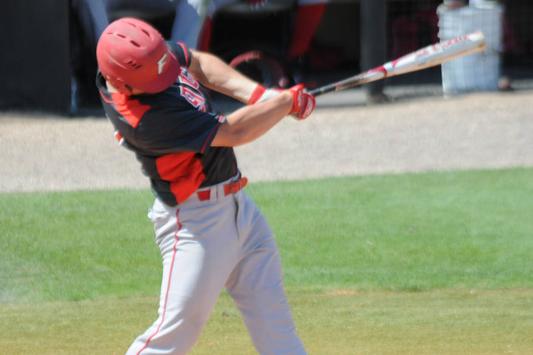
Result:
315,92
322,90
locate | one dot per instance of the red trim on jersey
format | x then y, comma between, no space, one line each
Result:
164,310
184,171
132,110
186,53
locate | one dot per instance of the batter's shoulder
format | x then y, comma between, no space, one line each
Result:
182,52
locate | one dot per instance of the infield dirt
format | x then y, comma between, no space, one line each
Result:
489,130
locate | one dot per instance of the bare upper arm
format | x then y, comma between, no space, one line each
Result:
226,136
195,67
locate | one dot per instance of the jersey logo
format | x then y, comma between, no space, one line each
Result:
194,98
161,63
186,78
189,89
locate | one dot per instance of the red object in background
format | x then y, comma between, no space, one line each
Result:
307,20
205,35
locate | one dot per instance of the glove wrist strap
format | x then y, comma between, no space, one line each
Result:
256,94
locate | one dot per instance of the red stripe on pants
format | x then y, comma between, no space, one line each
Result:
163,312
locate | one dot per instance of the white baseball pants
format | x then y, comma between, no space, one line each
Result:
209,245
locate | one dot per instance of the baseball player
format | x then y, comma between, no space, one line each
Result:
193,22
194,19
308,17
210,233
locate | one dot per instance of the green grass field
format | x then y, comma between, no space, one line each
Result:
434,263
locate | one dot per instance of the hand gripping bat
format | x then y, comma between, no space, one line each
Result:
426,57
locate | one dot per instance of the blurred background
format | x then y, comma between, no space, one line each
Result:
48,58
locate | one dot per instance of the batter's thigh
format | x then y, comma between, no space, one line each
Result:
199,247
256,285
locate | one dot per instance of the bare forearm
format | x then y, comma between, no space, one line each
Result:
251,122
216,75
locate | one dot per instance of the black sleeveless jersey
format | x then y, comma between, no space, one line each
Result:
171,133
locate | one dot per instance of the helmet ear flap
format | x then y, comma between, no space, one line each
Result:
119,85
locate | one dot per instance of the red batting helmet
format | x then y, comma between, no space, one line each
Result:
133,54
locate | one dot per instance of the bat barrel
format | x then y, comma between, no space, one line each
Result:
426,57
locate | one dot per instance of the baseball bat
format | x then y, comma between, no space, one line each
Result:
426,57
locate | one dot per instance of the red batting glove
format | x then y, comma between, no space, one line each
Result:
261,94
303,103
